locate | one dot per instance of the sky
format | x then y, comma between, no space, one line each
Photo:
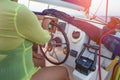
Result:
113,9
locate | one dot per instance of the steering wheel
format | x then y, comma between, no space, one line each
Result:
56,51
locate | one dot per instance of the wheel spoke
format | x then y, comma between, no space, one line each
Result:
55,54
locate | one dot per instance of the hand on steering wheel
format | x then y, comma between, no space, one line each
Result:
56,51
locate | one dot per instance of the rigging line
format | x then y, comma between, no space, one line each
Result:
97,18
98,7
98,22
94,14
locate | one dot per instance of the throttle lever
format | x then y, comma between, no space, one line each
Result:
93,67
91,46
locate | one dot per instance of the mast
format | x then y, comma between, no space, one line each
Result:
106,10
